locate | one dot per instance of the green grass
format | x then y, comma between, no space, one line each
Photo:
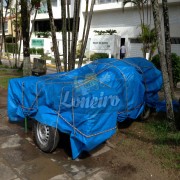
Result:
166,143
4,80
4,66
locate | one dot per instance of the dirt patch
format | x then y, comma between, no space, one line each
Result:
3,98
133,156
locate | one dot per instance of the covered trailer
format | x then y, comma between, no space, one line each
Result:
85,103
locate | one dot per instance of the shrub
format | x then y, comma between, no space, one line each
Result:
10,48
175,66
43,34
45,57
40,51
32,50
98,56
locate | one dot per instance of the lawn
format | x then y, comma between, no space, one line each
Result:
6,75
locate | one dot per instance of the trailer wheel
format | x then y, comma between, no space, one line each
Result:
45,137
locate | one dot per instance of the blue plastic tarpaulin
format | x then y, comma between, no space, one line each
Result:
87,102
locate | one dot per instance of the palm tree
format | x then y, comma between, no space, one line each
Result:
25,34
167,89
54,40
149,39
140,4
168,43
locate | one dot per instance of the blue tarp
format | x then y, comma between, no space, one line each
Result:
87,102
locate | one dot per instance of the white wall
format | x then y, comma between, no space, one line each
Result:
127,25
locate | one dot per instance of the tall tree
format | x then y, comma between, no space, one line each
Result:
168,43
141,5
167,89
69,34
75,29
74,26
25,34
3,20
54,40
2,24
16,33
64,33
150,40
86,32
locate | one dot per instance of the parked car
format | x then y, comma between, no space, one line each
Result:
85,103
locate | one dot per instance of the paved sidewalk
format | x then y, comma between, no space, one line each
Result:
20,159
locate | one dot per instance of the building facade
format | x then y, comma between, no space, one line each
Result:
109,14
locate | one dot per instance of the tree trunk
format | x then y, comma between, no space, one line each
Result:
167,89
84,32
2,39
64,33
69,37
25,34
32,27
3,36
19,50
16,35
168,43
84,43
54,40
75,32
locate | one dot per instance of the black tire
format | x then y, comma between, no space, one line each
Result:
45,137
146,113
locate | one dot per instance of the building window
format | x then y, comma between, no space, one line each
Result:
54,3
44,25
135,40
175,40
105,1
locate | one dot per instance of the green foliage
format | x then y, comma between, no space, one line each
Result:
148,37
43,34
109,31
45,57
40,51
175,66
10,39
164,138
32,50
98,56
5,80
36,51
3,66
10,48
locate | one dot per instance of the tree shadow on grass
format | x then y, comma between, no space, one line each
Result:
162,135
